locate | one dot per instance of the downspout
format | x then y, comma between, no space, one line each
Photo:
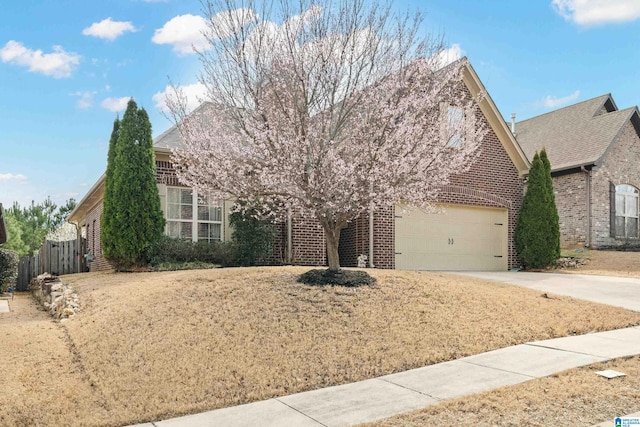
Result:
371,237
588,187
289,254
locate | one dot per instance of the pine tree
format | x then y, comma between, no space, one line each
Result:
107,238
136,217
537,232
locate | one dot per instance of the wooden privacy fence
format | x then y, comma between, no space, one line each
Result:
53,257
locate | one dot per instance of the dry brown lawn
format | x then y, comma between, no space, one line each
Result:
148,346
576,397
606,263
39,374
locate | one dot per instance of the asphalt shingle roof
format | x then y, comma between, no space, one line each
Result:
169,139
575,135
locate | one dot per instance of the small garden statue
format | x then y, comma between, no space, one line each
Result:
362,261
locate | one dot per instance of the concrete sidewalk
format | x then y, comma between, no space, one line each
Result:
389,395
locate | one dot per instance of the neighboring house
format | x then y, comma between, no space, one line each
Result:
3,227
594,150
474,232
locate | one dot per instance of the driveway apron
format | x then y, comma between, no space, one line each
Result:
617,291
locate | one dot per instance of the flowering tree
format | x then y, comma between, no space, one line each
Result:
326,112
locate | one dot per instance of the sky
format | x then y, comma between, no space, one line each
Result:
67,69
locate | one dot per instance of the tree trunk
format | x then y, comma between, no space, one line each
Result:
332,235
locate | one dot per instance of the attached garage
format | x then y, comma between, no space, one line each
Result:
456,238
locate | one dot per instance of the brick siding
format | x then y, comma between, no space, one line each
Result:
492,181
309,247
571,200
166,174
619,166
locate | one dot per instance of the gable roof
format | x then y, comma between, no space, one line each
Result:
495,119
577,135
3,227
171,138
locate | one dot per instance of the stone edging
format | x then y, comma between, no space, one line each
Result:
54,296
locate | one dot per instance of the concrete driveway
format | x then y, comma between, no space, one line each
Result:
617,291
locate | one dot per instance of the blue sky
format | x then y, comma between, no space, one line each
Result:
67,68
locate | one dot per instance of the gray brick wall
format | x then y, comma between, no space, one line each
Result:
571,200
620,166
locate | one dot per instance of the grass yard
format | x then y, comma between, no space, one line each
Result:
148,346
575,397
606,263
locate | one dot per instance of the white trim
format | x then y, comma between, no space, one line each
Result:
194,214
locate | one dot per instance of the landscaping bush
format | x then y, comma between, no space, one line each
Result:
253,234
168,253
225,254
537,232
132,218
8,269
168,249
340,277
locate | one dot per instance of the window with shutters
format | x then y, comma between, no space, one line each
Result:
626,211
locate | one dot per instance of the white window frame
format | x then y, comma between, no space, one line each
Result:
194,221
628,194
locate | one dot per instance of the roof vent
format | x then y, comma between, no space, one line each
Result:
513,124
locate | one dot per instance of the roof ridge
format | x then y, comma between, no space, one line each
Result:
568,106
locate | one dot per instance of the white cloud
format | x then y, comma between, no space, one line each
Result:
184,32
108,29
187,32
597,12
553,101
115,104
447,56
193,94
10,177
85,98
57,64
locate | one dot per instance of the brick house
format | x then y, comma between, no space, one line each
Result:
474,230
594,150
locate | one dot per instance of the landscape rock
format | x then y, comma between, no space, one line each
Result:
571,262
55,296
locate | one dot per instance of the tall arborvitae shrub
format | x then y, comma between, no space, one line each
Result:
554,218
537,232
136,217
107,237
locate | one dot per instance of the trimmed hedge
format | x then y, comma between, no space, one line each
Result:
168,250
